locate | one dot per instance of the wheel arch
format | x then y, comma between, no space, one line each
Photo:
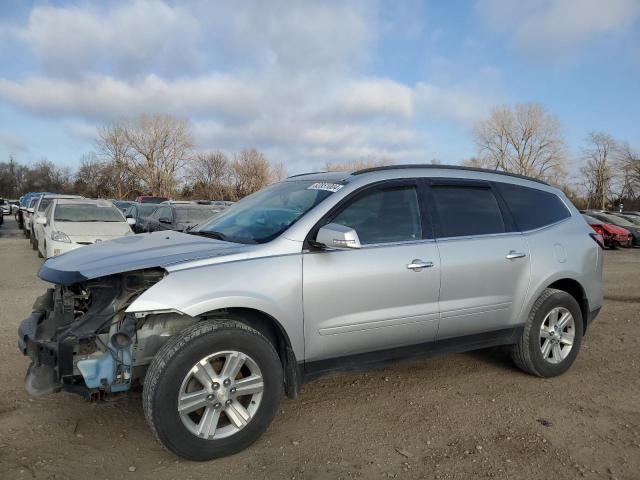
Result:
577,291
273,330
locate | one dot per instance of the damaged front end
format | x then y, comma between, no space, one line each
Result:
80,338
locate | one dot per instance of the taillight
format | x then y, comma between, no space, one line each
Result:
598,239
598,229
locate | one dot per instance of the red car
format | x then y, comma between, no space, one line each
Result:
149,199
612,235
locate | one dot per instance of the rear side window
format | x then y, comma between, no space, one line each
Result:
532,208
464,211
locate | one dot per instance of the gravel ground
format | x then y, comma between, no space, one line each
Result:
460,416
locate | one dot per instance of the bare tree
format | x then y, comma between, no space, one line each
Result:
524,139
627,168
598,173
112,145
251,172
210,175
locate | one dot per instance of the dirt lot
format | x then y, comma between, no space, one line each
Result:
462,416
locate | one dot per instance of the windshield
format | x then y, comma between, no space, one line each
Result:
87,213
261,217
193,214
32,202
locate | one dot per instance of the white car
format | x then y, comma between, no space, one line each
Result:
27,215
38,212
72,223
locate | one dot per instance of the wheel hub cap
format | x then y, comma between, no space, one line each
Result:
220,394
557,333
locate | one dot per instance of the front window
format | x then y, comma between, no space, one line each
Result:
87,213
263,216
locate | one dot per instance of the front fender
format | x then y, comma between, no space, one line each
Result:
272,285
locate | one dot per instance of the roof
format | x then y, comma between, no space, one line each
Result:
83,201
342,176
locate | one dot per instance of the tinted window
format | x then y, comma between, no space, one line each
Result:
466,211
384,216
532,208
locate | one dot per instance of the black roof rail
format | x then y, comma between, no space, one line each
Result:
307,173
445,167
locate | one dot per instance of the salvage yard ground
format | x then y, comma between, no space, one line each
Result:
462,416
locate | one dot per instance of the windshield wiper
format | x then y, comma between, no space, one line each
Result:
216,235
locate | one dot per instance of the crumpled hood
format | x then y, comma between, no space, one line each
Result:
135,252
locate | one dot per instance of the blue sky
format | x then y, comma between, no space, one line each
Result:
318,81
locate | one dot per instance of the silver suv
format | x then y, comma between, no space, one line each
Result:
319,273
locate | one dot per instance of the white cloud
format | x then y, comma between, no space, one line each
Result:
557,28
127,38
283,77
13,143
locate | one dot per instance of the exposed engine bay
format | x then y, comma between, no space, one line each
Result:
80,338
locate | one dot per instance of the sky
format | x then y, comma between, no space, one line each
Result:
311,82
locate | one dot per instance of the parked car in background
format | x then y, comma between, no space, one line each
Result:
633,219
150,199
27,216
123,205
72,223
612,235
5,206
178,202
1,217
24,203
313,275
179,217
39,211
15,206
618,222
140,212
635,214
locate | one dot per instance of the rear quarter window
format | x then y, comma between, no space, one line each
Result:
532,208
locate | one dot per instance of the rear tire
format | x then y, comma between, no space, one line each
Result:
544,349
177,371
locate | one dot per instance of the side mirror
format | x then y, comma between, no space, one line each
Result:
164,220
131,221
337,236
30,210
41,220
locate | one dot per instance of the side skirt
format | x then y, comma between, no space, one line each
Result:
311,370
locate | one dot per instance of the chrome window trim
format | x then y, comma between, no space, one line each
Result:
535,230
480,236
372,245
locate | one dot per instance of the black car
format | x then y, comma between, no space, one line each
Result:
122,205
619,222
180,217
140,212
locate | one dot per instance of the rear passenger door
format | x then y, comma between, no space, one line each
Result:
484,259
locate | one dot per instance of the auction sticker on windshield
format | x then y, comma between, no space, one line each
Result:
329,187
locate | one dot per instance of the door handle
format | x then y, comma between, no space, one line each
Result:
513,255
417,265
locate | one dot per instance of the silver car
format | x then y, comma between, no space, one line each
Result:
318,273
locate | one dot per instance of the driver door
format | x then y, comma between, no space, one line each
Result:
371,298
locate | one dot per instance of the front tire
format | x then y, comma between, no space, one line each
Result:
552,335
212,390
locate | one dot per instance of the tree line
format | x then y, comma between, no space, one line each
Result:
156,155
